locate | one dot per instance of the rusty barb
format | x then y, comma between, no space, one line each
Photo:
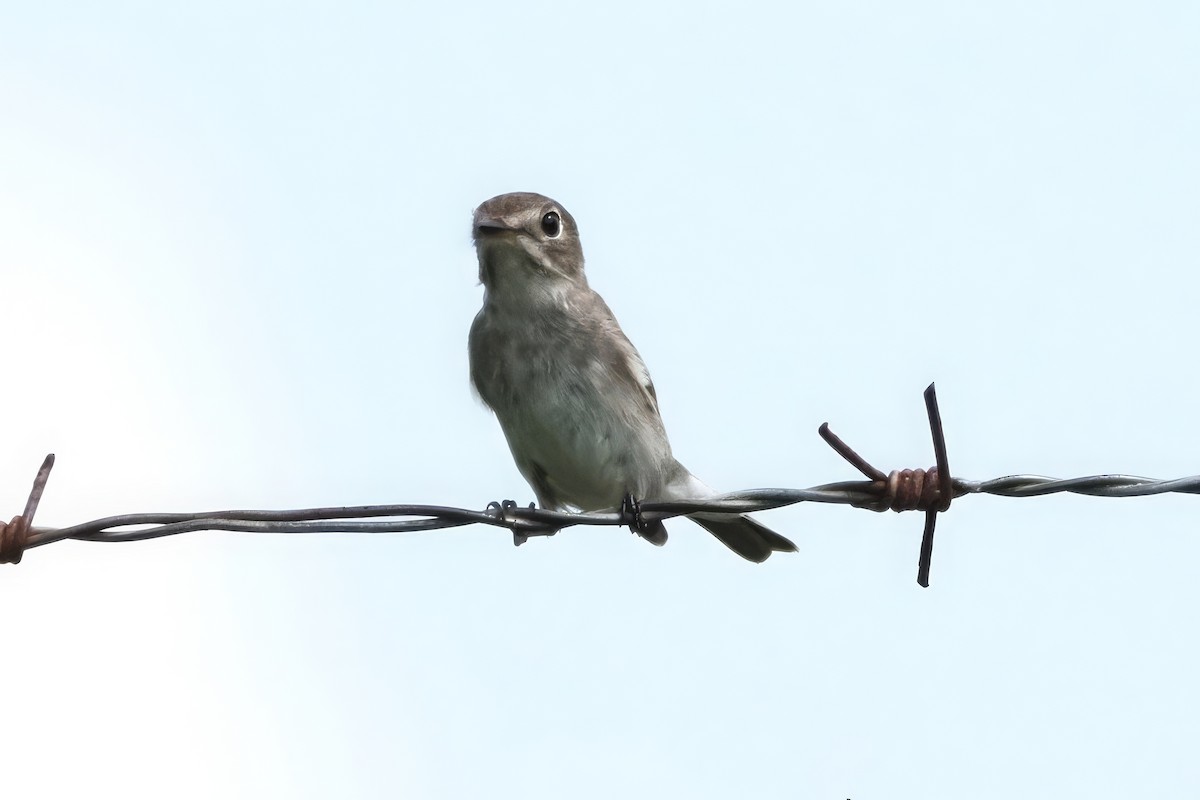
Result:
15,535
928,490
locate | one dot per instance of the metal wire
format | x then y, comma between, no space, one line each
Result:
1093,486
523,520
535,521
930,491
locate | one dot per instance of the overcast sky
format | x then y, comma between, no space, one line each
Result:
236,271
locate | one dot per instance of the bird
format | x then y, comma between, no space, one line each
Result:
571,393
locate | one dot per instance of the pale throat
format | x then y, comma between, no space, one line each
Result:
514,278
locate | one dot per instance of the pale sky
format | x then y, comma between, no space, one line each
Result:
236,271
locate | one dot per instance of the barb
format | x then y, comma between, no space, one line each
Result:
929,490
908,489
14,537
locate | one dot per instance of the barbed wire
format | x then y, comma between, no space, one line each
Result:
930,490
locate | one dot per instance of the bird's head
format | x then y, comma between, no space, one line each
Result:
525,239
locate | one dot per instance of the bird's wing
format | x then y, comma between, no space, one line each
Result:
624,363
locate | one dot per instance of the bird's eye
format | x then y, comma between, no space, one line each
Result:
552,224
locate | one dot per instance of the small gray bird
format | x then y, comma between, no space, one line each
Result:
571,393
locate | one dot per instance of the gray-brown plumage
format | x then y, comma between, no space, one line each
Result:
572,395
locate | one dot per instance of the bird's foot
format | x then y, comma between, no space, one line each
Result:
631,514
522,529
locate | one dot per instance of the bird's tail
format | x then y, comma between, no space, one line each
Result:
751,540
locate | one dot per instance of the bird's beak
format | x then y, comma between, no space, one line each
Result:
489,226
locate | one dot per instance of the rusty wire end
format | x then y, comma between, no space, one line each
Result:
847,452
945,486
15,535
926,557
945,482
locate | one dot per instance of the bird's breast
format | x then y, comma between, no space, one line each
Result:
563,413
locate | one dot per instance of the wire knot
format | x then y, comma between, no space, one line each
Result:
907,490
13,537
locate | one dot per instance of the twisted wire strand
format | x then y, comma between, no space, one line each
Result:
534,522
928,490
1093,486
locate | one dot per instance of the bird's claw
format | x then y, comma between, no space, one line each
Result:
521,529
631,514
